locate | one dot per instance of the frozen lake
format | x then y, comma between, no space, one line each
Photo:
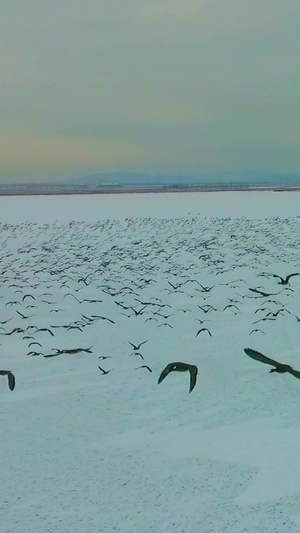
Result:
93,207
87,449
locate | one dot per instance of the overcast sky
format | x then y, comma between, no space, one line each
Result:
154,86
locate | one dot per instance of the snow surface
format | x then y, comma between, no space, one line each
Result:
83,452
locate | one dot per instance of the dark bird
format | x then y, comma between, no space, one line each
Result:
15,330
5,321
72,351
137,347
10,377
103,357
263,320
204,329
37,343
23,316
180,367
281,368
262,293
104,371
256,330
144,366
138,353
206,309
28,296
285,281
276,313
45,329
103,318
230,305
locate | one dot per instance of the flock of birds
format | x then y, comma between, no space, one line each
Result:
141,269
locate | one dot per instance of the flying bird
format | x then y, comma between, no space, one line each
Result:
138,353
256,330
137,347
144,366
104,371
180,367
264,294
281,368
10,378
285,281
27,296
204,329
23,316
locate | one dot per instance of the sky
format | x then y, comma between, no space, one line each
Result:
136,86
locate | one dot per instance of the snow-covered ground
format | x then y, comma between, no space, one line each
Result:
86,452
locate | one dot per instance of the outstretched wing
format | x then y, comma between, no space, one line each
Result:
11,380
260,357
294,373
165,372
290,275
141,344
260,292
193,378
276,276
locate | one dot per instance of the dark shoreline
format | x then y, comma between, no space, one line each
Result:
53,190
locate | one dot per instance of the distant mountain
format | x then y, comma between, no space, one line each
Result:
131,178
109,180
225,178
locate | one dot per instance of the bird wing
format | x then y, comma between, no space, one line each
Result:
11,381
276,276
165,372
290,275
144,342
260,357
294,373
259,292
145,366
193,377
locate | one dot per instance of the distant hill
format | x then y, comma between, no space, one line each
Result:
226,178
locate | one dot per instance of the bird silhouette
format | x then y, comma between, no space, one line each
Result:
281,368
137,347
10,378
265,294
138,353
104,371
285,281
144,366
180,367
23,316
204,329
